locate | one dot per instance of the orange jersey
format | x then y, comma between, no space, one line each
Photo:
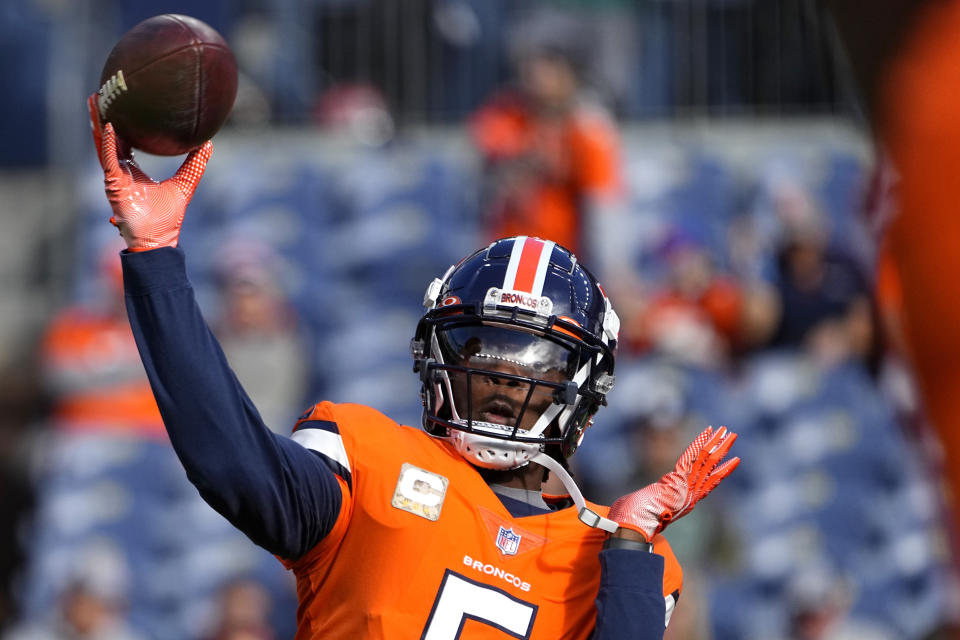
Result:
92,367
555,165
423,548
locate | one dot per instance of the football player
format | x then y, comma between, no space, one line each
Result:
442,532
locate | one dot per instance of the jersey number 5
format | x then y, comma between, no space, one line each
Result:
461,599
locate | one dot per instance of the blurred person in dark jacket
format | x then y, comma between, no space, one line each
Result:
825,296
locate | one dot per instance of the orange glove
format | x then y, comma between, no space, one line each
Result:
649,510
148,213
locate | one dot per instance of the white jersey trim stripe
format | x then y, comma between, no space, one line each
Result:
326,442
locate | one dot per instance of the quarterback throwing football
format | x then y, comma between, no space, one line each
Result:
441,532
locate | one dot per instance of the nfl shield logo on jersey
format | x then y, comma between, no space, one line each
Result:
508,542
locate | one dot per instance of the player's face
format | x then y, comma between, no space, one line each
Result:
497,394
548,79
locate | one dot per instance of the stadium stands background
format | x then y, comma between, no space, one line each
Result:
719,102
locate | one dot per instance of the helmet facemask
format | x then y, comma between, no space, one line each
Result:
503,392
515,355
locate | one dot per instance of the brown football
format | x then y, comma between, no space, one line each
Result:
168,85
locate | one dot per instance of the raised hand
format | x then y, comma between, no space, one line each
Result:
698,472
148,213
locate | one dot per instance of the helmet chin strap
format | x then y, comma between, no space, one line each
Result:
587,515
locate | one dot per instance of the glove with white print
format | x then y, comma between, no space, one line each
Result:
148,213
698,472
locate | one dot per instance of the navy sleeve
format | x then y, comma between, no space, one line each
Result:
280,494
630,603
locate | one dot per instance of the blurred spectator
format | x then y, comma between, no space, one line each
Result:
700,315
818,602
91,367
259,331
243,612
629,447
551,152
692,621
100,409
358,110
610,26
106,470
650,437
92,604
825,296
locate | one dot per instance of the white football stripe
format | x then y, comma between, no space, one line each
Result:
511,275
545,254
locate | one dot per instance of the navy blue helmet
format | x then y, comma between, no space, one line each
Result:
515,353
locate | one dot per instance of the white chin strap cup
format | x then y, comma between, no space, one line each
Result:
587,515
